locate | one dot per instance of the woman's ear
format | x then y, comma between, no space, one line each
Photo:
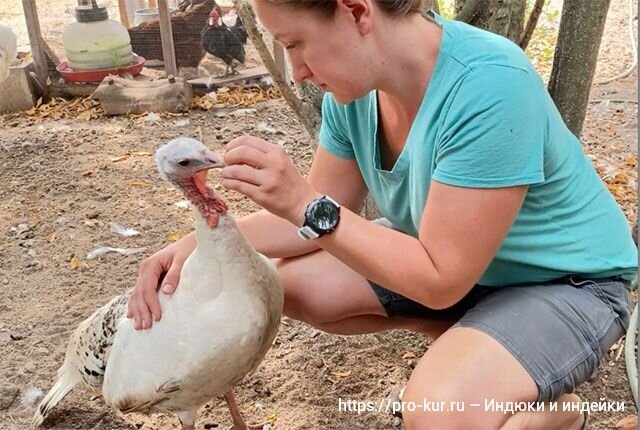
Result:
360,12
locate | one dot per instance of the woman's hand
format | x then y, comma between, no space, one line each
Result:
263,172
143,303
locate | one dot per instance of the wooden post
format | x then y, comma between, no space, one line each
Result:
36,42
124,14
166,34
281,61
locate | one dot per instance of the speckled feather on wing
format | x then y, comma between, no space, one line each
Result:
94,337
86,355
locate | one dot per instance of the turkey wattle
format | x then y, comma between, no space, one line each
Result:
215,328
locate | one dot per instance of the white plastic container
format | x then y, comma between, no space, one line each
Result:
95,41
143,15
132,7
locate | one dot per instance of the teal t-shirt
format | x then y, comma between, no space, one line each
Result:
487,121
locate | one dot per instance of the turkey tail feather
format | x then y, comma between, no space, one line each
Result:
68,377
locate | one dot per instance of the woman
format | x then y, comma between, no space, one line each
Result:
505,245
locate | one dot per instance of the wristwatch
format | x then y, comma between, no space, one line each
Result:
321,217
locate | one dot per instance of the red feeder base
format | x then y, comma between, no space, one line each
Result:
98,75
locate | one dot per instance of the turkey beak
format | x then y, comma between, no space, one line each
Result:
212,161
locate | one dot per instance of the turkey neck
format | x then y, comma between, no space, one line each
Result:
216,231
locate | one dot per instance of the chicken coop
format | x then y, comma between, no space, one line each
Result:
166,38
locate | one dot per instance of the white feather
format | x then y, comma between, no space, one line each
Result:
8,50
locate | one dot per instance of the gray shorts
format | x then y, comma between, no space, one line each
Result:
558,330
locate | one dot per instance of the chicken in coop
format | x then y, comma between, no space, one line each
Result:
8,50
215,328
186,26
225,41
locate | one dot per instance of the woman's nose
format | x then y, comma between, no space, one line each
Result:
300,72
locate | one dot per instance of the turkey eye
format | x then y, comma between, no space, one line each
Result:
184,163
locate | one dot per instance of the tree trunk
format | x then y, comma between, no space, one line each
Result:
304,114
507,18
532,22
474,12
504,17
311,98
576,54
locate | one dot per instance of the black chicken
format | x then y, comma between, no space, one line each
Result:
224,42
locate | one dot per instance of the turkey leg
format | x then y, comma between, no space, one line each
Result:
236,416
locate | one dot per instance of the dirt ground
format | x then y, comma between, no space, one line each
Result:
64,181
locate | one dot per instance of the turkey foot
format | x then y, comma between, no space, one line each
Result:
236,416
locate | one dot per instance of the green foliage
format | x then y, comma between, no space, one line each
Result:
447,8
542,45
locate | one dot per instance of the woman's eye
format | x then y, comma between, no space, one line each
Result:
290,46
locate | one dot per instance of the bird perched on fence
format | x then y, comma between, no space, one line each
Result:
8,50
215,328
223,41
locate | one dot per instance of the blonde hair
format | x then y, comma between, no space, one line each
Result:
327,8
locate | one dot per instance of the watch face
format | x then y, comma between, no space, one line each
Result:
323,215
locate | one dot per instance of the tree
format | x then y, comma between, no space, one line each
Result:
576,54
505,17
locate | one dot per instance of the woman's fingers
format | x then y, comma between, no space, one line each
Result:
143,303
242,173
171,279
249,190
245,154
250,141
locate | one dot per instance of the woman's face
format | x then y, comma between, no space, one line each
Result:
331,53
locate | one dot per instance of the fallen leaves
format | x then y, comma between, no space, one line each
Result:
341,375
86,108
271,418
128,155
74,263
620,179
141,154
119,158
83,109
139,184
176,236
237,97
632,161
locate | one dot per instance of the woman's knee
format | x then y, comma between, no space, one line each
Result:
461,371
301,302
320,300
443,408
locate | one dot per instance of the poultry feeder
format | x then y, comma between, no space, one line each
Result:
98,75
98,45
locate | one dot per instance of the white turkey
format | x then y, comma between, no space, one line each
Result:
8,50
215,328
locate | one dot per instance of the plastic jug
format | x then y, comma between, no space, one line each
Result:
95,41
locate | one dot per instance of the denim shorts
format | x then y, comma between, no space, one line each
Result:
558,330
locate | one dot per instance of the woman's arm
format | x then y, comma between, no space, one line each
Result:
460,232
276,237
